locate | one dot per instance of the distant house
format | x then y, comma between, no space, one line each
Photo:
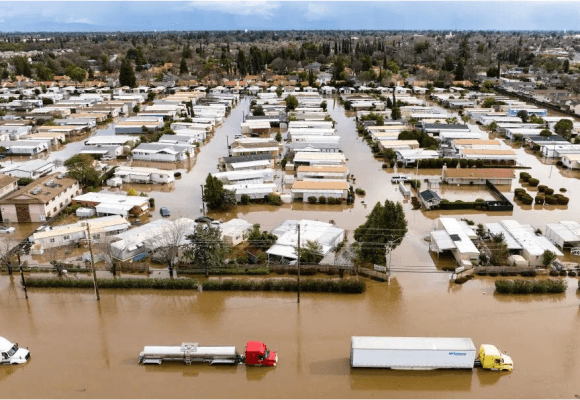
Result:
40,200
238,163
24,147
317,188
429,199
8,184
113,204
235,231
478,176
31,169
163,152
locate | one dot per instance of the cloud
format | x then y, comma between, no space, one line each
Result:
262,9
319,10
79,21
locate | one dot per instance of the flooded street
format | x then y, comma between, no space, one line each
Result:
84,349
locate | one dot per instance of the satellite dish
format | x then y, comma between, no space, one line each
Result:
575,251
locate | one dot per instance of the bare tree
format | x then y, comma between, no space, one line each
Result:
7,246
108,254
54,255
167,244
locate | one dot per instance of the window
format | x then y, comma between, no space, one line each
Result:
52,240
66,237
54,209
97,236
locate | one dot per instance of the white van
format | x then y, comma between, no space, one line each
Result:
10,353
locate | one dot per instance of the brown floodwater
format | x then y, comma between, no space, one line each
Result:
82,348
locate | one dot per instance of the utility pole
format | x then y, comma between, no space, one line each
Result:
93,262
22,275
298,272
202,202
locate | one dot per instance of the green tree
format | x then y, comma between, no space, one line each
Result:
22,66
258,111
278,137
183,67
311,252
459,70
127,74
205,248
492,126
279,91
75,72
396,113
291,102
324,105
548,258
498,249
523,114
383,231
546,133
261,240
215,196
81,168
488,103
564,127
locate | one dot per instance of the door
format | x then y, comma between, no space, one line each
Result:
22,213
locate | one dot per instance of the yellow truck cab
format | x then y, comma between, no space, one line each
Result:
492,358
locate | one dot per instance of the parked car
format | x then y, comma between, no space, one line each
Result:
399,178
7,229
106,158
164,211
204,219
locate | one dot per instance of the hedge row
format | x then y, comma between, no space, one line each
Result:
114,283
227,271
287,285
522,286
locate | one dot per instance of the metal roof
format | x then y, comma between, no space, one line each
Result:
412,343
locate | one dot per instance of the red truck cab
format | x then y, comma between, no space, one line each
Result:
258,354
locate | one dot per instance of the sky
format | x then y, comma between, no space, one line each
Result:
25,16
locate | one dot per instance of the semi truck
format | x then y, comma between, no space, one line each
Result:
256,353
425,353
10,353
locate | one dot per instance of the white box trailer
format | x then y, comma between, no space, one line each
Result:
422,353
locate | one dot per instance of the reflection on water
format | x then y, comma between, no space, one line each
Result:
312,340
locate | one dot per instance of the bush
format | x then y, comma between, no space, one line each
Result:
548,191
542,188
273,199
151,202
245,199
312,200
563,190
551,200
289,285
334,200
525,176
527,199
563,200
521,286
24,181
539,199
322,200
177,174
533,182
519,192
114,283
360,191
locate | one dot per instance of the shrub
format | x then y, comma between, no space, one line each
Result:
151,202
551,199
273,199
114,283
312,200
563,200
289,285
322,200
521,286
519,192
245,199
549,191
360,191
525,176
527,199
539,199
541,188
385,165
572,273
563,190
533,182
177,174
